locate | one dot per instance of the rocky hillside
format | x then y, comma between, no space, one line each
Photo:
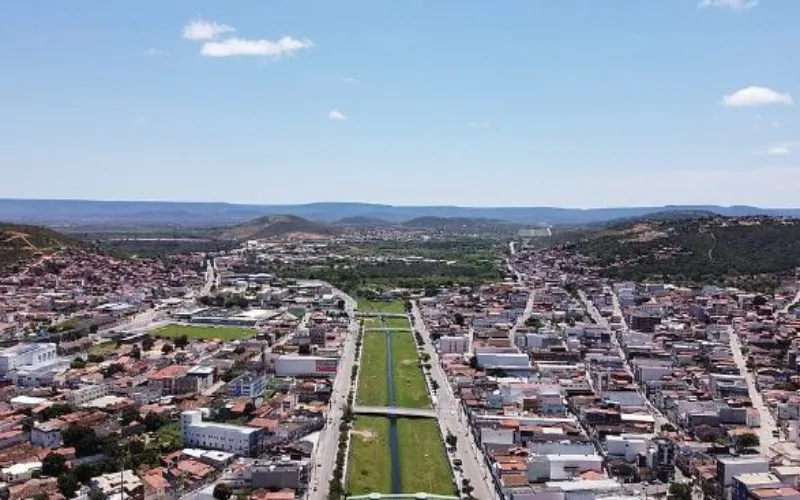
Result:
19,243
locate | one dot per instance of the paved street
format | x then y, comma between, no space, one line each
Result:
328,445
450,415
767,421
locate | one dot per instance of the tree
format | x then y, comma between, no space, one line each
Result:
82,438
95,358
222,491
759,300
249,408
181,342
667,427
304,350
680,491
68,485
747,441
167,348
97,495
40,496
148,343
54,465
78,363
459,319
136,353
129,415
153,421
84,472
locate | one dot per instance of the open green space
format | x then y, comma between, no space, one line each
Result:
396,306
398,323
370,467
372,323
423,463
409,381
204,332
373,387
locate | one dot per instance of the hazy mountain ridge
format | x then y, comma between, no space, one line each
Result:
196,214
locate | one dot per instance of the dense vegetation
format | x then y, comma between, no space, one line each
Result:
750,252
466,262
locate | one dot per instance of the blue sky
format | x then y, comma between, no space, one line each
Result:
576,103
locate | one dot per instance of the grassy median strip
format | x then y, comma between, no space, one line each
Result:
370,467
204,332
398,323
373,389
409,382
423,463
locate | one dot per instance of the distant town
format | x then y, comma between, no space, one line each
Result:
442,359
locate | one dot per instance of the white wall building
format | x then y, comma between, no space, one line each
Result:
27,356
86,394
210,435
47,434
311,366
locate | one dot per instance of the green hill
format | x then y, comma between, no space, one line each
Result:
703,250
275,226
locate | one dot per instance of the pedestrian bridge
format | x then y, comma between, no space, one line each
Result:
389,411
393,496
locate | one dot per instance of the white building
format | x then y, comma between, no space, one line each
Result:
561,467
250,385
47,434
452,344
19,473
211,435
86,394
311,366
491,359
27,356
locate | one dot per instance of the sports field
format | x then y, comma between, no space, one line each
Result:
409,382
372,324
423,463
204,332
370,467
373,389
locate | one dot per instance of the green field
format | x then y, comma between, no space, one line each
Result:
370,466
409,381
372,324
373,387
423,463
398,323
204,332
396,306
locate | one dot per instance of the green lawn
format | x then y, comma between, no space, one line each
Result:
409,381
370,466
373,387
396,306
398,323
204,332
372,323
423,463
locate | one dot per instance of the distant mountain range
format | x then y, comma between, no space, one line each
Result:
277,226
65,213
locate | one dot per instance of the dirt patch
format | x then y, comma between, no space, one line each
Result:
366,435
407,362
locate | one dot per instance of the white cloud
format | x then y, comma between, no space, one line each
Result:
233,47
780,148
155,52
336,115
198,30
478,124
731,4
349,79
756,96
